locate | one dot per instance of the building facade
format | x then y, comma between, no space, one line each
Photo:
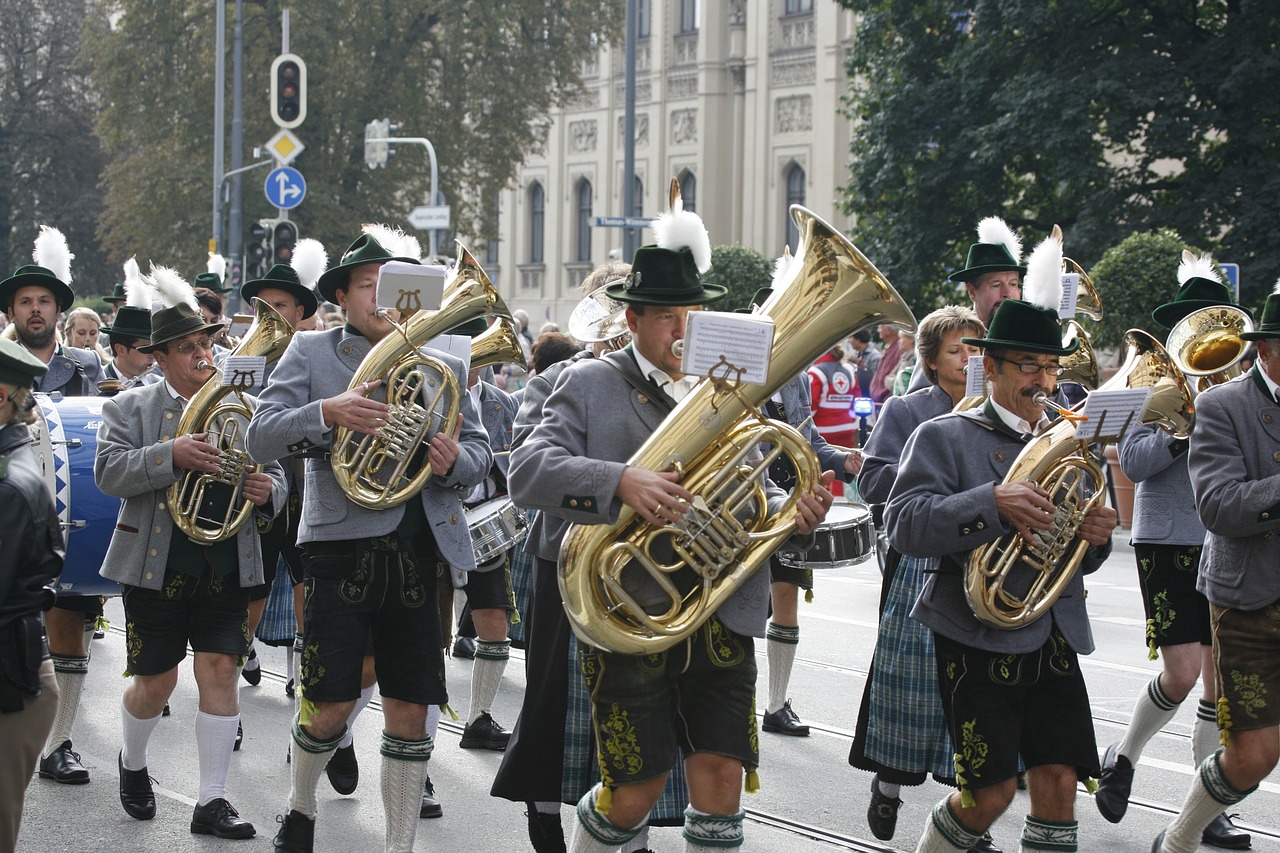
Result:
738,99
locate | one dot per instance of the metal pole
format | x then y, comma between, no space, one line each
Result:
235,224
629,235
219,108
435,173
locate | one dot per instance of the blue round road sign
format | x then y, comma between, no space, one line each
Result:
285,188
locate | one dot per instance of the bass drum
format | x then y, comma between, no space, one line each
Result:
845,538
66,441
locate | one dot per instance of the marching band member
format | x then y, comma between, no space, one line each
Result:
1232,462
1167,541
177,591
29,566
366,575
33,297
1015,691
901,735
131,329
697,696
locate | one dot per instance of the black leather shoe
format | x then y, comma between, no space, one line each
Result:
1221,832
343,770
252,675
1022,780
63,766
545,831
430,802
297,833
290,689
239,737
485,733
220,818
136,796
985,845
165,712
784,721
1155,845
882,814
464,647
1114,784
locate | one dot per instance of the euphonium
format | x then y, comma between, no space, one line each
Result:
709,439
1062,465
385,469
1206,344
208,507
497,345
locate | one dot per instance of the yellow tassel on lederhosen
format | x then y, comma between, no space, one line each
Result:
604,800
752,783
1224,722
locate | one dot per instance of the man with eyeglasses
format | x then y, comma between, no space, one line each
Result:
1005,692
177,591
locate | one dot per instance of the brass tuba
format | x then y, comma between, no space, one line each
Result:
830,291
497,345
385,469
1062,465
1206,344
208,507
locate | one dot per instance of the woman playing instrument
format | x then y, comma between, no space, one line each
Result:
901,748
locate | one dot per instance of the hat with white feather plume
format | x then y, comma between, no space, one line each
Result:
215,275
376,245
998,249
51,270
181,315
134,319
1269,325
298,277
1031,324
1199,286
669,272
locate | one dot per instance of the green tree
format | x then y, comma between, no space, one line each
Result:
474,77
1107,118
741,269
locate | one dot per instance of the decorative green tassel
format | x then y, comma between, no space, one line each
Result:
752,783
808,596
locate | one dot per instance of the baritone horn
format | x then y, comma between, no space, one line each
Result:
685,571
1207,344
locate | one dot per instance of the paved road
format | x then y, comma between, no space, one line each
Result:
811,799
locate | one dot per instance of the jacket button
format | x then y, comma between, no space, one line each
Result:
159,460
1266,515
165,438
160,505
168,416
981,525
158,530
1267,417
346,350
1276,456
966,531
999,457
148,575
573,502
154,553
453,519
642,399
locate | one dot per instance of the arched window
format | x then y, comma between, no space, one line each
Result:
637,205
537,221
582,252
689,16
642,19
689,190
795,195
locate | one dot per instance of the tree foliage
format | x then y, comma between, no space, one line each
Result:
474,77
1105,117
741,269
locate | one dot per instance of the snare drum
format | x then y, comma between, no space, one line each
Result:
66,441
496,526
845,538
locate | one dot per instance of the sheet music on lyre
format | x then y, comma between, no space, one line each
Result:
716,341
1109,414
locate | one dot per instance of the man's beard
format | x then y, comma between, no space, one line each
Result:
34,340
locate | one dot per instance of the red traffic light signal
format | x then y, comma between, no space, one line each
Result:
288,90
284,239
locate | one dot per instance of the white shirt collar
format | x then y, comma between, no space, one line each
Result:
1271,386
1016,423
173,392
673,387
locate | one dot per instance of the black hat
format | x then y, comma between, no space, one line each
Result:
471,328
214,277
19,367
664,277
130,323
51,270
117,294
1200,287
1031,324
998,250
169,324
1269,325
377,245
284,277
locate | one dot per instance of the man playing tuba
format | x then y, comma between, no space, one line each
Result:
1005,692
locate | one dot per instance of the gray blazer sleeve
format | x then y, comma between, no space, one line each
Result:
883,453
1229,499
1146,450
829,458
288,420
123,467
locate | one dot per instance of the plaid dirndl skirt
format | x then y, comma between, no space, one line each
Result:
906,730
522,586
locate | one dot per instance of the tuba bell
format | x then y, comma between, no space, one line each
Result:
497,345
1063,466
208,507
384,469
831,291
1207,344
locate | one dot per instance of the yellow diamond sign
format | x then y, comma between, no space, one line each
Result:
285,146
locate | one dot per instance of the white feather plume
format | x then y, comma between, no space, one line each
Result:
678,228
1042,285
394,240
781,268
217,265
1197,267
172,289
135,289
1276,287
993,229
53,254
309,261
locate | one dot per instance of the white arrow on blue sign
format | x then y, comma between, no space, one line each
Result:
285,188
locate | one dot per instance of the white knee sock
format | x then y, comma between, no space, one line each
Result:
781,643
708,833
433,720
888,789
1204,732
70,672
1048,835
486,677
1151,713
1209,796
215,741
136,734
639,843
943,832
404,767
366,696
308,761
593,832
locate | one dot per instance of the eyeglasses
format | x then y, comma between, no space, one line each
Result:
1031,368
188,347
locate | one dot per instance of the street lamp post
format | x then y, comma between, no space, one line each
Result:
381,161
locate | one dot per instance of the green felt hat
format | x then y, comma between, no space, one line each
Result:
984,258
19,367
169,324
1022,326
283,277
471,328
664,277
1269,325
32,274
1195,293
365,250
130,323
118,295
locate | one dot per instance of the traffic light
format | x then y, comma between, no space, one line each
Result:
375,153
288,90
258,250
284,238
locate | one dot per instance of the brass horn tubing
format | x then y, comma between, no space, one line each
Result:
497,345
232,468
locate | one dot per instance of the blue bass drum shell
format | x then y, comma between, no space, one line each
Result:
66,441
